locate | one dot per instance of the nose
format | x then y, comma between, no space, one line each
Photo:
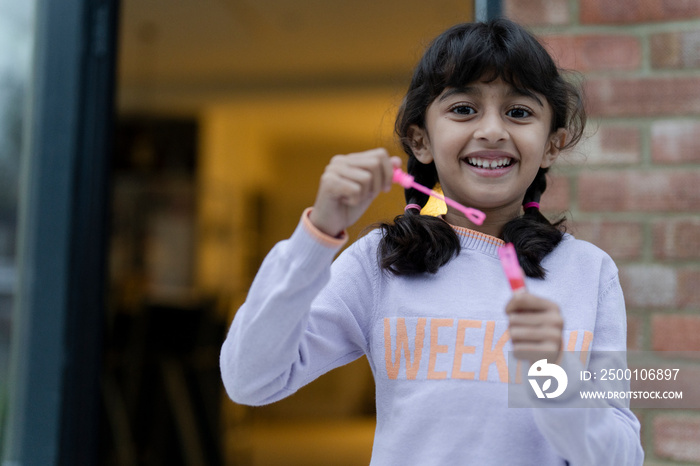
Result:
491,128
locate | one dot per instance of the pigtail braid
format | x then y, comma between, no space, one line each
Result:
417,243
532,234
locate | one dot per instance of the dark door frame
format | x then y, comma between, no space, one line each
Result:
56,351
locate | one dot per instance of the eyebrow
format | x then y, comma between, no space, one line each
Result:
459,90
515,92
512,92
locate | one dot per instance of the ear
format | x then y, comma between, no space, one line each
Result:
420,144
553,148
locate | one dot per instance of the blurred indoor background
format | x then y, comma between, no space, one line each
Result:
228,112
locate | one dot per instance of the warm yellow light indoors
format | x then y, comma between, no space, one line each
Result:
260,161
263,147
254,146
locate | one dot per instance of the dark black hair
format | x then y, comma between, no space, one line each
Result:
461,55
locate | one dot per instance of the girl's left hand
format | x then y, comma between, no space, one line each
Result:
535,326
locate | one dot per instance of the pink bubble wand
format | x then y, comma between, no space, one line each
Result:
408,181
511,267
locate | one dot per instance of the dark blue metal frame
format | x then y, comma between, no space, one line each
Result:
485,10
56,342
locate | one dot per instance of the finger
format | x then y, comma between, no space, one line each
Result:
526,302
366,168
379,163
352,172
536,352
371,179
367,158
534,335
341,188
536,319
388,165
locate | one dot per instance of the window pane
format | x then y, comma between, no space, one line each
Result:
16,32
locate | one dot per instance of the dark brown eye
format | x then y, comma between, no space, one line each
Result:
518,113
463,110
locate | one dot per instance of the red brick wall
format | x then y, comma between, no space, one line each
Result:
633,186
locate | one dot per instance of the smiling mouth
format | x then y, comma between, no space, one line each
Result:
490,164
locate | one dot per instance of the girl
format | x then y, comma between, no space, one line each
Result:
425,298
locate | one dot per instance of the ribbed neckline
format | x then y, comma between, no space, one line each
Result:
477,241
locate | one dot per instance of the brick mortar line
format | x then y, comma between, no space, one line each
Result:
646,61
661,312
682,216
685,166
618,29
645,144
573,195
628,216
587,217
575,216
676,264
651,73
647,241
643,166
641,74
635,121
625,216
563,167
574,13
645,336
664,311
661,168
567,164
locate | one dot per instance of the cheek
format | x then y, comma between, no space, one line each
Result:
534,148
443,146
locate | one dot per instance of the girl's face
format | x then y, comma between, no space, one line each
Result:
487,141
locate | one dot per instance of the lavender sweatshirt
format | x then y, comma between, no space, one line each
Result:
437,345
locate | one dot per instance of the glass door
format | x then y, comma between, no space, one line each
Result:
16,39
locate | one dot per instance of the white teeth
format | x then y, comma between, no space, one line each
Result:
483,163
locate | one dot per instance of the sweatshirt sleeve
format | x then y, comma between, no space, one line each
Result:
295,325
598,435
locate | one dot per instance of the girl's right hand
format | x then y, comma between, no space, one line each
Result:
348,186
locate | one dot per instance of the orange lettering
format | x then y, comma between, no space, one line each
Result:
587,339
494,355
435,325
573,336
519,372
461,349
393,365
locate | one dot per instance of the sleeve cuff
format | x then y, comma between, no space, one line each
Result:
321,237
